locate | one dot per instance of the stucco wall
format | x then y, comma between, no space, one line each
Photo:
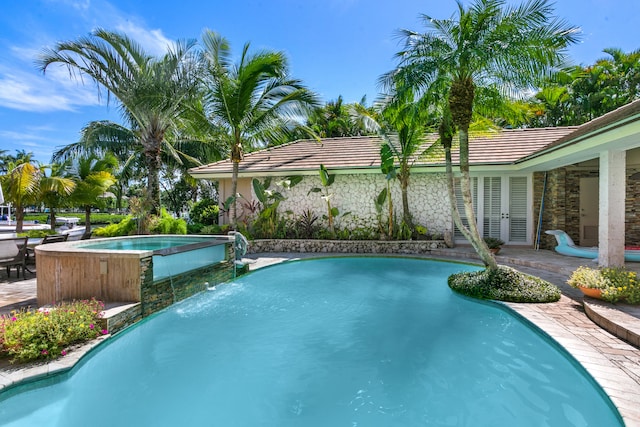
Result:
355,193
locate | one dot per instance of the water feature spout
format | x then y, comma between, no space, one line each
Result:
240,245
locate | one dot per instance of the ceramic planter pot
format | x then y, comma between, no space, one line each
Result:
591,292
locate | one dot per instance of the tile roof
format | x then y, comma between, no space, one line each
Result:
613,118
363,152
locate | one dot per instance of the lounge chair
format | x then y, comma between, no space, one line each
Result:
13,254
566,246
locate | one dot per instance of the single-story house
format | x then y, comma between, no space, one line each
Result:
585,178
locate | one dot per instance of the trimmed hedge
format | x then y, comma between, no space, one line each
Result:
504,284
96,217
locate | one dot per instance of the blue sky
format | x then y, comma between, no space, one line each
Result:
337,47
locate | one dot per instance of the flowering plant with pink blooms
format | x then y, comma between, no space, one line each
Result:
47,333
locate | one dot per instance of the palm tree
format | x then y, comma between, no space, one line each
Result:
92,176
153,93
20,186
55,188
488,44
402,122
251,101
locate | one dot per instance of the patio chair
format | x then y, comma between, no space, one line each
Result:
54,238
13,253
49,238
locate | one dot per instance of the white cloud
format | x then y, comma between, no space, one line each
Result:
22,86
153,41
27,91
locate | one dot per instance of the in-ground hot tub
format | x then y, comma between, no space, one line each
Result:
153,270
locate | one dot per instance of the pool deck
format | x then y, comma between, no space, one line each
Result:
612,361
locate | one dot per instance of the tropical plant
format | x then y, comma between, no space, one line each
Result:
166,224
55,188
20,186
204,212
270,200
125,227
493,242
487,45
251,101
327,179
388,168
93,178
154,93
335,119
306,224
48,333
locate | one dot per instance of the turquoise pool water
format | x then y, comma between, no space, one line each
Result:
176,260
330,342
143,243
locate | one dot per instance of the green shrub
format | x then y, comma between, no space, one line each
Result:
96,217
125,227
195,228
166,224
47,334
205,212
215,229
504,284
37,234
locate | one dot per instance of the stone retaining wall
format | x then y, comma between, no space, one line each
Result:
346,246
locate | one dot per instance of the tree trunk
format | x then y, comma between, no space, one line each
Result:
446,138
404,186
19,219
390,231
465,186
233,211
154,185
87,222
461,107
52,218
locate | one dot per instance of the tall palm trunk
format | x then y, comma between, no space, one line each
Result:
461,107
446,138
52,218
236,158
233,211
404,186
87,222
19,218
154,162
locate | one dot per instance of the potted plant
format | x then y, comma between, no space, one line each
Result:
494,244
589,280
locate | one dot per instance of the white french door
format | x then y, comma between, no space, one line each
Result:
502,206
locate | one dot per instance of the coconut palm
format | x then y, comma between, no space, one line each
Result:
488,44
92,176
153,93
251,101
20,185
55,188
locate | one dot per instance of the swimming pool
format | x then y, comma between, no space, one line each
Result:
328,342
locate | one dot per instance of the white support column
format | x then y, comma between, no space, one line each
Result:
612,208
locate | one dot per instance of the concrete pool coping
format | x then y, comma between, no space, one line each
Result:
613,363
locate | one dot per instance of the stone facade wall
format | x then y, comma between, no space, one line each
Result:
344,246
355,193
562,204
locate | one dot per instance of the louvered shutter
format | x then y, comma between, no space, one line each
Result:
518,209
492,207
